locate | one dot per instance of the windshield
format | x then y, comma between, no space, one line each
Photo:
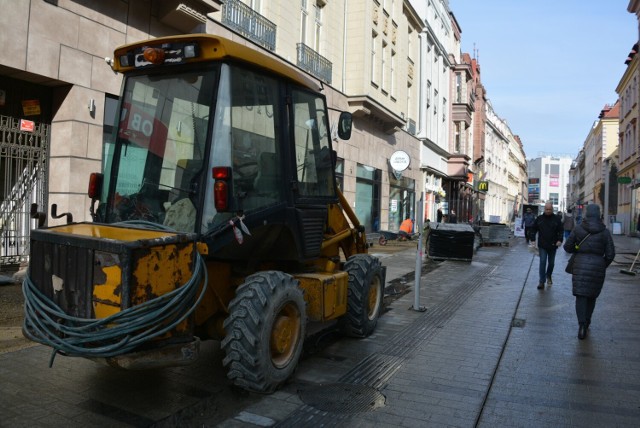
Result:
162,133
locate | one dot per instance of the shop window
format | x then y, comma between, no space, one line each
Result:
402,198
368,185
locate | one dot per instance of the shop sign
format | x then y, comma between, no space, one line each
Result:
399,160
624,180
31,107
483,186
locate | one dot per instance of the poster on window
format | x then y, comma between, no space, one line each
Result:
554,180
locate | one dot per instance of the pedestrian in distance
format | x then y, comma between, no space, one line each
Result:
527,222
594,251
439,216
453,218
568,223
548,227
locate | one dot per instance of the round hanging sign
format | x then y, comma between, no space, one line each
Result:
399,160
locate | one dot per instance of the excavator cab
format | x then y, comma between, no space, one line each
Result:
198,148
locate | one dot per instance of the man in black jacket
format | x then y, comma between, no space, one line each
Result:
549,229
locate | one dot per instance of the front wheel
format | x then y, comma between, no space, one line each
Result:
265,331
364,301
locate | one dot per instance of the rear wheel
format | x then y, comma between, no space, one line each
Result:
265,331
366,290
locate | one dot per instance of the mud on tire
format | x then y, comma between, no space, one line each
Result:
366,290
265,331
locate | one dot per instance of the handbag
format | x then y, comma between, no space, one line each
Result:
569,268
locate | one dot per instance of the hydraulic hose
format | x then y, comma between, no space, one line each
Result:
45,322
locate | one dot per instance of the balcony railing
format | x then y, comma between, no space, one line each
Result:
246,21
314,63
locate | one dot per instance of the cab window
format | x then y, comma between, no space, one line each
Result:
314,168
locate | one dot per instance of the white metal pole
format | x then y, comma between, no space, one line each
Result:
418,273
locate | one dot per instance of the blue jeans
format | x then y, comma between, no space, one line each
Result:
547,261
566,234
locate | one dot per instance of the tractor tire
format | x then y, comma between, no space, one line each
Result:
364,301
265,331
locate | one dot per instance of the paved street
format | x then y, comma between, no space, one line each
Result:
490,350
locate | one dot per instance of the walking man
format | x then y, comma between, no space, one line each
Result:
549,229
527,222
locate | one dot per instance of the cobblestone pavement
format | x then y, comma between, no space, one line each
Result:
489,350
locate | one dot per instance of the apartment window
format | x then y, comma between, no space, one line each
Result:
318,27
256,5
458,138
458,87
392,78
374,42
304,15
444,109
408,109
435,102
383,68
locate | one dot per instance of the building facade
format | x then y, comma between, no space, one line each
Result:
627,157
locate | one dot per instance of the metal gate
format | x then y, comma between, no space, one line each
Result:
24,161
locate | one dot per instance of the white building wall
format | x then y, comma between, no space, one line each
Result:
544,168
499,199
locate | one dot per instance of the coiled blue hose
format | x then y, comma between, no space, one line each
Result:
46,323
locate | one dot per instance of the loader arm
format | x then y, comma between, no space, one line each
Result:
343,230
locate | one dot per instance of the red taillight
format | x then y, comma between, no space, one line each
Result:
95,185
222,175
221,195
221,172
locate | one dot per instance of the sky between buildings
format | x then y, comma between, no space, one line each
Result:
549,66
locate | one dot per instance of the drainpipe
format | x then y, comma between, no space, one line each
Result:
421,86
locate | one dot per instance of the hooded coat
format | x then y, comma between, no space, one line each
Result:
592,257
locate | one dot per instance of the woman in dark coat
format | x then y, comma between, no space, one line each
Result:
594,254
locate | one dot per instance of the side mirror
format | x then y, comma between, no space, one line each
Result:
344,125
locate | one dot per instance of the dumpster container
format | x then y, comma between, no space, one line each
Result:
451,241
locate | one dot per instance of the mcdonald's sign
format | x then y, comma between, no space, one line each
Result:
483,186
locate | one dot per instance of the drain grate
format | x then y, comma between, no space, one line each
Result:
342,398
518,322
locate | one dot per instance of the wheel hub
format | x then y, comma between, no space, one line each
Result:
284,335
